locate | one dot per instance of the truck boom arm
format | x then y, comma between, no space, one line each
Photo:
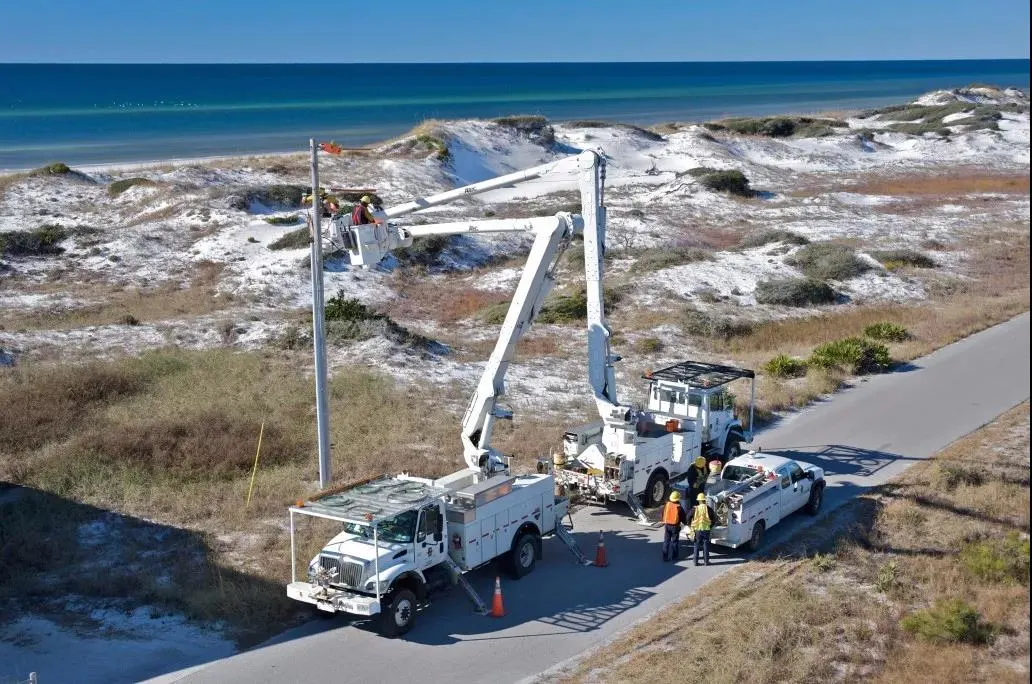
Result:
367,244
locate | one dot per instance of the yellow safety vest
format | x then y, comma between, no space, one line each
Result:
701,521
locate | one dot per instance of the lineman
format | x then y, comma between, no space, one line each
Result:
696,478
361,213
673,518
702,522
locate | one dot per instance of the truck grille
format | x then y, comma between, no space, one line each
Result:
349,573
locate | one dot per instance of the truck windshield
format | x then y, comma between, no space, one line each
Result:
400,529
737,473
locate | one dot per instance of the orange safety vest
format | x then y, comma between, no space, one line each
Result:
671,514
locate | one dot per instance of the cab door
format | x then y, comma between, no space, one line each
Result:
801,486
430,537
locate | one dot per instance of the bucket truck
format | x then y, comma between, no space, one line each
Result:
401,537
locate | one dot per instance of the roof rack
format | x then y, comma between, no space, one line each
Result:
699,375
372,502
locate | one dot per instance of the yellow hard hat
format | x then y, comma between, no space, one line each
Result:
701,498
675,496
700,461
366,199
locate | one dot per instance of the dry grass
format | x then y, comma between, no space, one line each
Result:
129,305
945,185
170,437
445,300
838,617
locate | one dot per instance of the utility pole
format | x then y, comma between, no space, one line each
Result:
322,416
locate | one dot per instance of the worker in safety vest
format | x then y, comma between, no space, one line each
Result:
696,478
673,518
702,522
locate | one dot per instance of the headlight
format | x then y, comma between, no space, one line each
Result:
371,586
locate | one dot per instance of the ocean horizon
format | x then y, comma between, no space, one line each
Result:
120,113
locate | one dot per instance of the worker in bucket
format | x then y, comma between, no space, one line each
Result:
696,478
673,519
702,522
362,213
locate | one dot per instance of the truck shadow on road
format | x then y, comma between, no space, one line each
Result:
840,459
560,596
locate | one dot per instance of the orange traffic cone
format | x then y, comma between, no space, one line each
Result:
600,552
497,609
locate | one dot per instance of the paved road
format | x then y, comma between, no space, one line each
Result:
862,438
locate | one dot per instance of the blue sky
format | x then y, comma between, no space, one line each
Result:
523,30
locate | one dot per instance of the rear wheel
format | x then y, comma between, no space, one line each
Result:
813,506
398,613
656,490
757,536
523,555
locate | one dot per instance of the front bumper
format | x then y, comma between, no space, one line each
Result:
333,600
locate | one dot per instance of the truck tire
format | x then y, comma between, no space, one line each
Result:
523,555
657,489
399,613
757,536
813,506
732,446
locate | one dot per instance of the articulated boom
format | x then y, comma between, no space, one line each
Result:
367,244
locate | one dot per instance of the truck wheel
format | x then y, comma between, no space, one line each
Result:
523,556
657,489
757,536
813,506
398,616
732,447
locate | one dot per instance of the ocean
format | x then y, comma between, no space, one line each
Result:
100,113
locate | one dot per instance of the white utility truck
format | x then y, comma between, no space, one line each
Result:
757,491
688,413
403,536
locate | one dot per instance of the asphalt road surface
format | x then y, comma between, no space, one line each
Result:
862,438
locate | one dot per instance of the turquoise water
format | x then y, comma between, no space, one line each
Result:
111,113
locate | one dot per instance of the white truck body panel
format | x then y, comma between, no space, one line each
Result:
784,490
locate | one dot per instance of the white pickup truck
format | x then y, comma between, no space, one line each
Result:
403,537
757,491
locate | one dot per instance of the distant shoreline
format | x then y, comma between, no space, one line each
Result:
119,115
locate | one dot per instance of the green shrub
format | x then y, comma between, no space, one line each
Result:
569,308
702,324
295,239
120,186
794,292
658,258
40,242
768,236
920,128
822,562
897,258
998,560
437,145
949,621
700,171
55,169
424,252
827,261
270,196
283,220
775,127
649,345
888,577
534,127
856,355
733,182
949,476
784,366
350,319
494,314
887,332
